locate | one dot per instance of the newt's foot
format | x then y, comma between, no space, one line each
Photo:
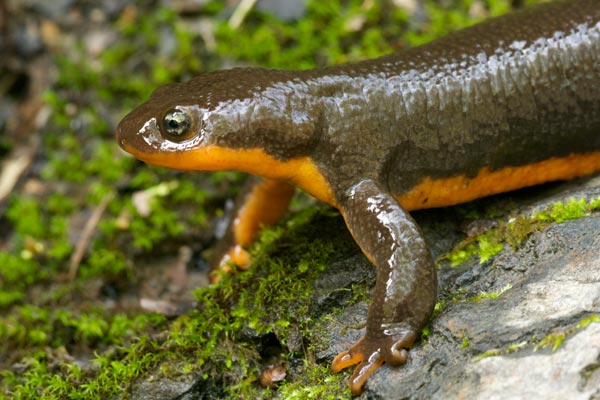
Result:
236,255
370,353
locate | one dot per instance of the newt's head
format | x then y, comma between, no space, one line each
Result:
214,122
253,120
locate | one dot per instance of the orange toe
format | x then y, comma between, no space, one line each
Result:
346,359
363,371
239,256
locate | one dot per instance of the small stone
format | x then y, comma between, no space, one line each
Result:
286,10
272,375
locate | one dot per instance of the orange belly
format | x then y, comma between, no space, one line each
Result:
458,189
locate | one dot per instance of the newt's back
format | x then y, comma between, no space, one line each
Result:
503,105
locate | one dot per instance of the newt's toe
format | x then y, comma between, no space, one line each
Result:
370,353
236,256
348,357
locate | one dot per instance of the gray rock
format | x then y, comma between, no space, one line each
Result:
287,10
54,9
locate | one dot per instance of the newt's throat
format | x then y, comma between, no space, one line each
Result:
301,171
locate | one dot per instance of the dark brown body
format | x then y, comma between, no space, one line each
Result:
509,103
514,91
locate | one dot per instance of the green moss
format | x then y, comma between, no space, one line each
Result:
594,205
465,343
165,217
271,298
560,212
17,273
316,383
490,295
555,339
516,230
335,32
485,246
460,254
594,318
499,352
110,264
50,333
519,228
26,216
489,245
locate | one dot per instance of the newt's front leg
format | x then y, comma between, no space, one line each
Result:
406,287
262,203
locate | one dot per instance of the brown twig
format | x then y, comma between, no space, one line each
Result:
239,14
86,236
14,167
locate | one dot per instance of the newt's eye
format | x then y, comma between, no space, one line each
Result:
177,124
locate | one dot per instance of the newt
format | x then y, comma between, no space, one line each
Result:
508,103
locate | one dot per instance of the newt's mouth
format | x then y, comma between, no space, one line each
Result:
122,140
193,156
